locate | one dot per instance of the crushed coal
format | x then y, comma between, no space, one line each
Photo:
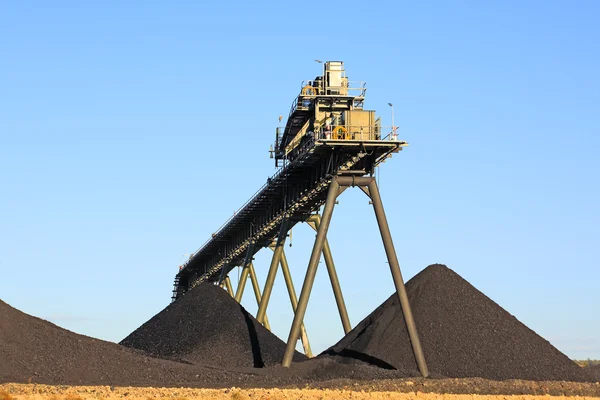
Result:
463,334
208,341
35,350
207,326
594,371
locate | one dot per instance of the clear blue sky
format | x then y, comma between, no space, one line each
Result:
129,131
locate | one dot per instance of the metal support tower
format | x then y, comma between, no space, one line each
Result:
369,186
329,143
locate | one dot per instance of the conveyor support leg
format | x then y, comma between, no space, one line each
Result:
242,284
314,221
229,287
369,186
264,302
310,273
386,236
244,276
257,294
287,276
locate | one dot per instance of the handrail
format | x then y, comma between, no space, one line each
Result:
361,88
349,85
375,136
358,132
390,136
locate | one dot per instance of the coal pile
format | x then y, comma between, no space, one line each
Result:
594,371
35,350
208,327
463,334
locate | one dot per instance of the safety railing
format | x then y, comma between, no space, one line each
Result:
392,134
357,132
348,88
308,92
350,132
340,132
251,200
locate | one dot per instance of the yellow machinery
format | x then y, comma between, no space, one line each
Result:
329,107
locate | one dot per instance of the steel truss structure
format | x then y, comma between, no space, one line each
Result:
328,145
294,195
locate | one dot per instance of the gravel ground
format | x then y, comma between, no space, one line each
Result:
208,327
463,334
406,390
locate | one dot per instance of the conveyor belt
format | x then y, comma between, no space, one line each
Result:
294,192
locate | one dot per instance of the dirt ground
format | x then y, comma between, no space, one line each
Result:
405,390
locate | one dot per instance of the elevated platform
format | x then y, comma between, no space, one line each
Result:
295,192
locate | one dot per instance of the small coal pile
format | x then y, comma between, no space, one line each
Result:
207,326
463,334
594,370
34,350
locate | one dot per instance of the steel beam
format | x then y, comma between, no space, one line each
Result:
242,284
287,276
260,217
228,286
264,302
244,276
248,270
397,276
257,295
311,272
315,221
223,274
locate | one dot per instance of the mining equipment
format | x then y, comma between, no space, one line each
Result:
327,108
328,144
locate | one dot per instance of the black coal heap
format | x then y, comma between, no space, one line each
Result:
35,350
208,327
462,331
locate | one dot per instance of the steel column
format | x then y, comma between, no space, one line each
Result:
256,288
244,276
397,276
242,284
223,274
287,276
315,222
311,272
228,286
264,302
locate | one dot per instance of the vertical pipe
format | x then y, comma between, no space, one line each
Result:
386,237
310,273
257,295
287,276
266,295
333,277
